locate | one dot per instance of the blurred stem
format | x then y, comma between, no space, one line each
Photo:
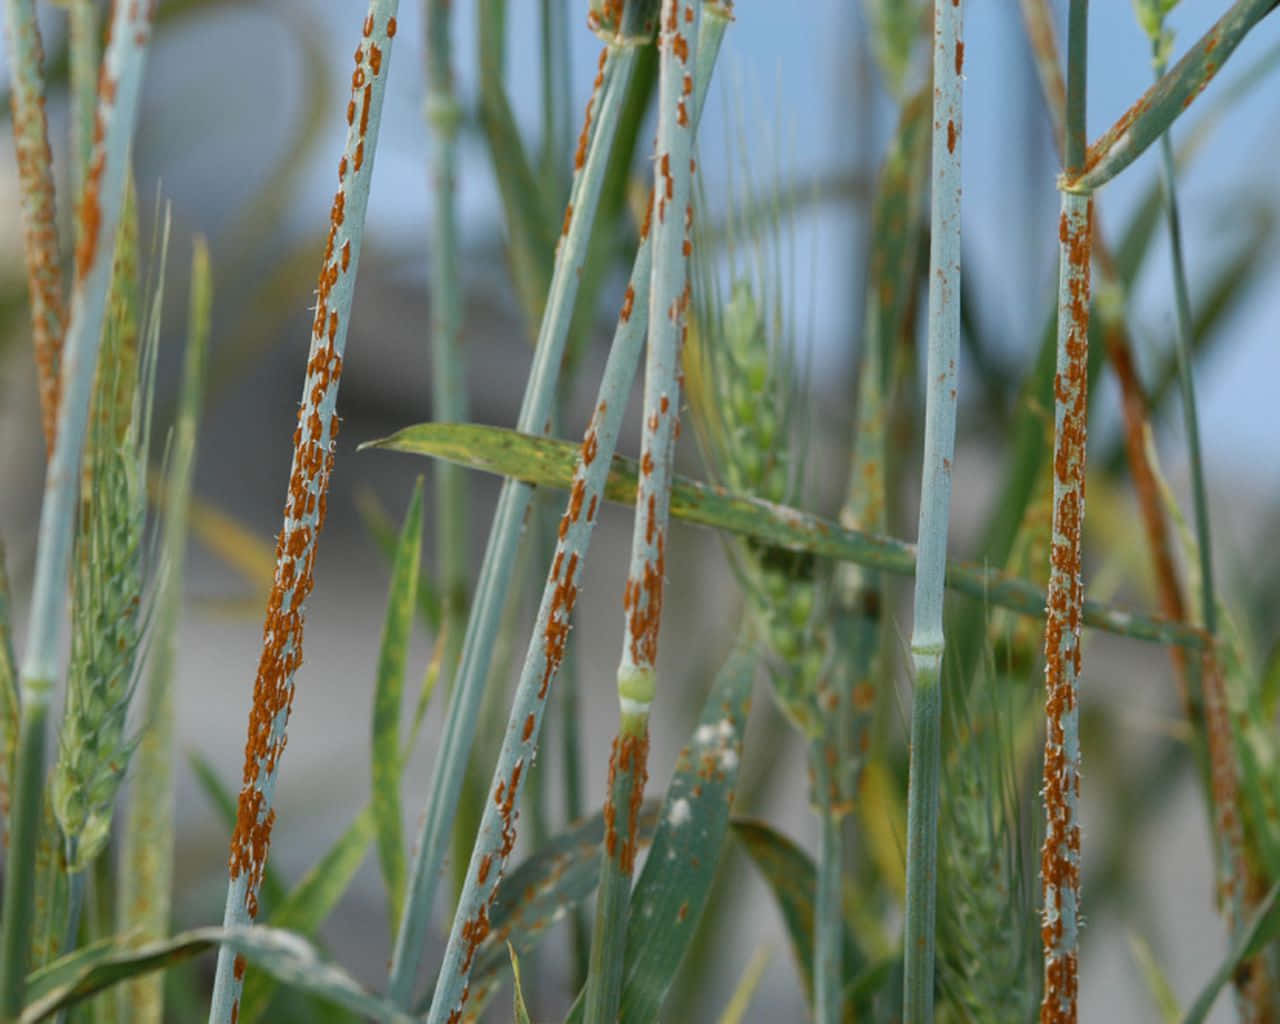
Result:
82,33
101,205
39,221
448,374
828,938
927,641
449,392
10,711
1255,986
147,856
557,123
1182,339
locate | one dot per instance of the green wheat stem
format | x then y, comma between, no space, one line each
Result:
309,474
100,208
448,371
557,119
828,931
496,567
927,641
147,857
671,218
1060,859
35,174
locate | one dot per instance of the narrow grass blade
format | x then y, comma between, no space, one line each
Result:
1144,122
927,639
521,1010
792,878
100,209
531,234
146,862
233,543
292,960
1158,987
557,119
397,628
40,233
382,532
671,218
10,712
1261,929
545,462
736,1010
313,459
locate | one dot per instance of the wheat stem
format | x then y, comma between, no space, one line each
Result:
927,642
305,505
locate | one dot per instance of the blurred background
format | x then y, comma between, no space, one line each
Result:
240,130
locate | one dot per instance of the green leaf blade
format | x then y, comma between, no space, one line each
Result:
397,629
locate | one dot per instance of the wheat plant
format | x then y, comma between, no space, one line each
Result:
919,896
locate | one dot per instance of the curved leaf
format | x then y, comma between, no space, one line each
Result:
545,462
793,880
290,958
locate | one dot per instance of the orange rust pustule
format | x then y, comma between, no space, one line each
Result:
90,198
584,137
951,136
629,299
556,635
680,46
633,754
642,600
959,57
474,932
630,756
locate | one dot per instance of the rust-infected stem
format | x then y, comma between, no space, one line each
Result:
35,175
